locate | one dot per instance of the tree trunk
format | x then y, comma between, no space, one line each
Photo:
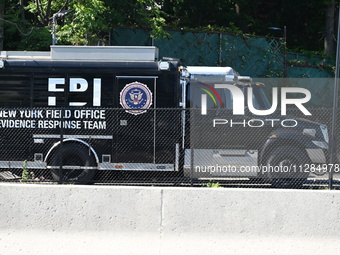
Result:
22,10
329,41
2,12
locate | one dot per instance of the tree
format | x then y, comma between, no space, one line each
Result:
329,45
149,14
2,12
87,24
91,20
82,26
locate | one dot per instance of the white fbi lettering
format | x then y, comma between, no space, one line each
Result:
76,85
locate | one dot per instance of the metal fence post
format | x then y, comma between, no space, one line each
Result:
333,137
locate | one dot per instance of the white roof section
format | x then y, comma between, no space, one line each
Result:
205,72
105,53
87,53
211,70
25,55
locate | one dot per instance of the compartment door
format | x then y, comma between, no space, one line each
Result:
135,136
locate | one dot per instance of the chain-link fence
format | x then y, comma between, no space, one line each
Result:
250,55
167,147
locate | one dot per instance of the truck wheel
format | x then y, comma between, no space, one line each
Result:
72,157
283,167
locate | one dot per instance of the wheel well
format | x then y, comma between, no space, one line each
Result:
76,142
277,144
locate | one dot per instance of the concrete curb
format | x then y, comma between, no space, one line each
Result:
71,219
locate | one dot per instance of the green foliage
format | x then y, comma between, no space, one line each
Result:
81,27
20,30
212,184
85,24
231,29
41,38
148,14
91,20
26,175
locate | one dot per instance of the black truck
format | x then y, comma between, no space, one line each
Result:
76,110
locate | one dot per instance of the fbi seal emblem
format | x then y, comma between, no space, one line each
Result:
136,97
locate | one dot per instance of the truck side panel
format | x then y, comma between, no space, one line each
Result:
63,103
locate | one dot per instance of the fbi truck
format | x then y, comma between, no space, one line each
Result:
76,110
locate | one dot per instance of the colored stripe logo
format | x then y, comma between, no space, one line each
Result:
212,93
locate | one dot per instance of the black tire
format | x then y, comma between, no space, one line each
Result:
284,166
73,155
